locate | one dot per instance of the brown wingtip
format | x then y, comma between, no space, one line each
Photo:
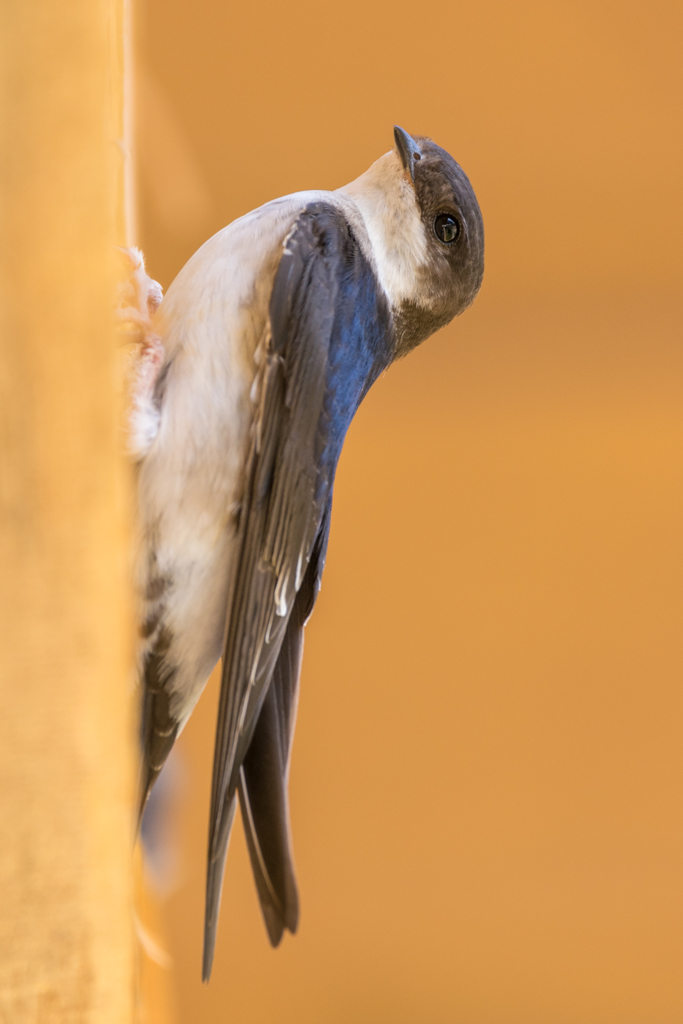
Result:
279,901
279,921
210,924
274,925
207,958
262,788
215,872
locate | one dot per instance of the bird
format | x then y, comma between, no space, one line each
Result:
252,368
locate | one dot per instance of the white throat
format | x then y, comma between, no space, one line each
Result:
386,201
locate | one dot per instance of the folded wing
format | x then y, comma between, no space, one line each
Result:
265,770
330,337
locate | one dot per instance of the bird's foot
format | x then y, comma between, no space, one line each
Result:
139,295
139,298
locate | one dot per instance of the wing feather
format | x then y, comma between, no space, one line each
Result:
330,337
263,780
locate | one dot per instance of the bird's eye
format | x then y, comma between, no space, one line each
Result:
447,228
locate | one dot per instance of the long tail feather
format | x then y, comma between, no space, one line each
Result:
214,887
263,789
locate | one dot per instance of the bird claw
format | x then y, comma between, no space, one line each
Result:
139,299
139,295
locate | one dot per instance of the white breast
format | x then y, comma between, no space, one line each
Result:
213,323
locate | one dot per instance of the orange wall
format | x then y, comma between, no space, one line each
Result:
67,746
486,774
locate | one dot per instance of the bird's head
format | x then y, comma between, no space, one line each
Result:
427,235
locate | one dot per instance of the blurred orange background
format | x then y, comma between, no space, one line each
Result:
486,778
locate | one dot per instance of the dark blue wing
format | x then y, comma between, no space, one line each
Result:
264,776
331,335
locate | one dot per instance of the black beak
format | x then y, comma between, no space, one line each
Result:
408,150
